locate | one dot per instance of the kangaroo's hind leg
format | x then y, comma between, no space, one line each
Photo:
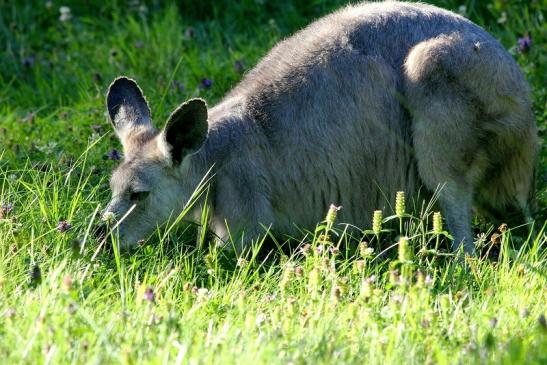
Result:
506,193
471,112
447,144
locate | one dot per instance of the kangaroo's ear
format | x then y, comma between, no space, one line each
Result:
186,129
127,107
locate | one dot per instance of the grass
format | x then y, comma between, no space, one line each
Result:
174,301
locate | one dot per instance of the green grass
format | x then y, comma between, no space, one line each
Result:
62,300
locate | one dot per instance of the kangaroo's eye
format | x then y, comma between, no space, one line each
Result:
138,196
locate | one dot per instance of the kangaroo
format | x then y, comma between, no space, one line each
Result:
372,99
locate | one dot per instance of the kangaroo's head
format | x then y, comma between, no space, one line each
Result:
158,173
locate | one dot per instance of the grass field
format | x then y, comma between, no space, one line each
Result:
63,300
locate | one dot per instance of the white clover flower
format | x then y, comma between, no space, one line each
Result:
108,217
260,318
241,262
202,292
66,13
368,251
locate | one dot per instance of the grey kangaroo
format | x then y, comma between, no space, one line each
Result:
372,99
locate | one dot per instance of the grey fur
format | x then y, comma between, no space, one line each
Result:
367,101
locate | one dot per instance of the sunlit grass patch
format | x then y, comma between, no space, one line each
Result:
63,300
390,292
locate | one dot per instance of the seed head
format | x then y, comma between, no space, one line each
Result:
149,295
65,13
503,228
241,262
324,238
63,226
337,293
437,223
328,265
405,250
503,18
291,305
334,250
319,249
331,214
109,217
525,43
305,249
299,271
364,250
206,83
5,210
202,292
113,155
396,299
241,300
377,222
67,282
394,277
420,278
359,265
444,301
288,275
400,204
495,239
260,318
314,279
367,287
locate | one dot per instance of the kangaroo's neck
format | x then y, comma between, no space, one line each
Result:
230,130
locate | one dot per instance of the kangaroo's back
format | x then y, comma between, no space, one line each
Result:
354,107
